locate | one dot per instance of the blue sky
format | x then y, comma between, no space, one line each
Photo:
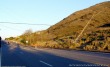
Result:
37,12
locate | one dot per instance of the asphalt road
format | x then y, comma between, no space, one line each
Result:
13,55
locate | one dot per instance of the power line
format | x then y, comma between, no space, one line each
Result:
25,23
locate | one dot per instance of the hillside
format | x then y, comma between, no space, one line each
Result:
96,37
76,21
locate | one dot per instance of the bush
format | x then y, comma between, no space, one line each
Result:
23,41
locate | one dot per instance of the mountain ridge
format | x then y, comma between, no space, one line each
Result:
88,11
62,35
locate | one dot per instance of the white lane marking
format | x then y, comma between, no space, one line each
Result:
46,63
94,56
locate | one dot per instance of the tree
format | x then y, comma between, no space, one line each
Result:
28,32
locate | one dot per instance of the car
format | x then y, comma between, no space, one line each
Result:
0,41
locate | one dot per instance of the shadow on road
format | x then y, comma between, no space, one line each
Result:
14,55
9,57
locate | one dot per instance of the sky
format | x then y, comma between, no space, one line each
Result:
47,12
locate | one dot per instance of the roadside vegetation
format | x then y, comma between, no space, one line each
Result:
62,35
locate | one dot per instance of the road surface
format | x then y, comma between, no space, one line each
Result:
13,55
